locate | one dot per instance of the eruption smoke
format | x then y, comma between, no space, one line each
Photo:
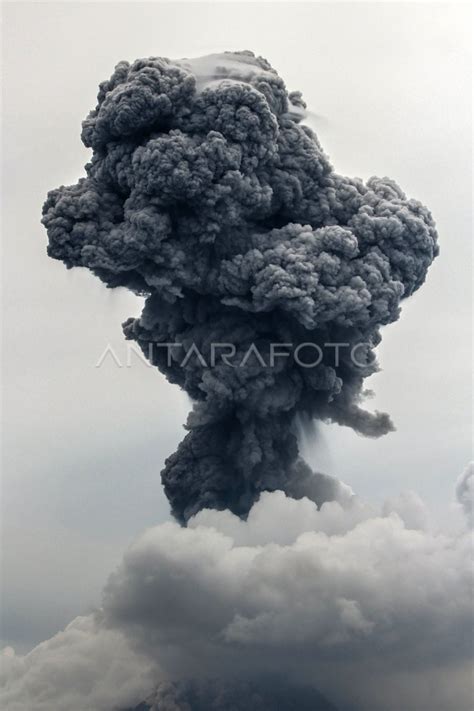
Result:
215,695
207,194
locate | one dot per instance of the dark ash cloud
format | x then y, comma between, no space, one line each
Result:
207,194
270,694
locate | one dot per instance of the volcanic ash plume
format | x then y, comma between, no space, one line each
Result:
215,695
207,194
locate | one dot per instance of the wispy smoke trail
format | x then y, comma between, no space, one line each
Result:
206,194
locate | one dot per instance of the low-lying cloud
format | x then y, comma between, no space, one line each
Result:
83,667
372,608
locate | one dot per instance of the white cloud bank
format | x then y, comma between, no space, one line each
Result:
84,667
374,608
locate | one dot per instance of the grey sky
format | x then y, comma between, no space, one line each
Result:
83,446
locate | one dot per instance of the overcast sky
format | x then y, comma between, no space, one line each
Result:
83,446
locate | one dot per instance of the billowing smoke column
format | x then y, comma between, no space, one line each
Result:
206,194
